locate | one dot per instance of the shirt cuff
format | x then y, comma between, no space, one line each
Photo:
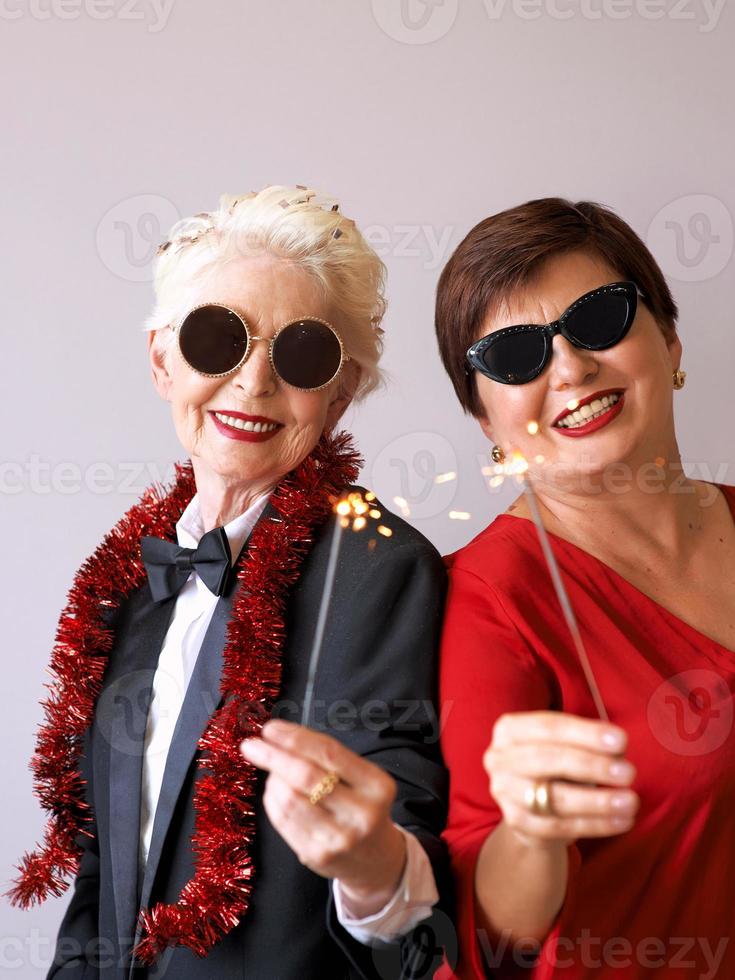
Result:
413,901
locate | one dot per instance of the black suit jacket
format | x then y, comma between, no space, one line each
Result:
375,691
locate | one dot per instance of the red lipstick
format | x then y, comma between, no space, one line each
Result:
594,424
246,435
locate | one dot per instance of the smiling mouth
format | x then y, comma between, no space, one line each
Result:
247,424
591,410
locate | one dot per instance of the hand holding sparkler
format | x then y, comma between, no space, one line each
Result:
536,754
331,806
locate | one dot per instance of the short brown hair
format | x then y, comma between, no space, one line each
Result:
502,254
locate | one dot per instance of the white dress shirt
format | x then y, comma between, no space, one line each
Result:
193,610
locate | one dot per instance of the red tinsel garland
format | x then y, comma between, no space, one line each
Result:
214,900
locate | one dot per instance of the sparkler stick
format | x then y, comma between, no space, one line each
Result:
322,619
519,467
356,507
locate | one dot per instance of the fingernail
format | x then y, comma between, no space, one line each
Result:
612,739
621,821
621,770
623,801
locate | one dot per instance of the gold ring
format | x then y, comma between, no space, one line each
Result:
537,797
324,787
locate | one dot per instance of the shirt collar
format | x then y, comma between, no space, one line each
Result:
189,529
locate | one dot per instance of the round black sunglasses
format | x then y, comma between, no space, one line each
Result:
596,321
306,353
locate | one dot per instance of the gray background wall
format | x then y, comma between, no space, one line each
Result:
421,117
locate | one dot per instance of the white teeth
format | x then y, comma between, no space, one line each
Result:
246,426
585,413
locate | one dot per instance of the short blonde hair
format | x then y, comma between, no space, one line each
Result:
294,223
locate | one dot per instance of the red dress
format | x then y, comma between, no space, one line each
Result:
658,900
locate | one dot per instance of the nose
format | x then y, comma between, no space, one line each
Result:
255,376
570,366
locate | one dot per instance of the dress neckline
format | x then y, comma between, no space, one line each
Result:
727,492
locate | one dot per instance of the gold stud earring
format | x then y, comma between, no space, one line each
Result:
497,455
679,379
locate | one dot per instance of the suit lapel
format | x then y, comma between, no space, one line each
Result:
123,712
202,699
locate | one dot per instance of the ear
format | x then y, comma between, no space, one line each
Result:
673,342
345,392
486,427
159,363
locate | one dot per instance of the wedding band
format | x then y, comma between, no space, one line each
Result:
537,797
324,787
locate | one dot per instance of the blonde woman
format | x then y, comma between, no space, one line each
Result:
224,838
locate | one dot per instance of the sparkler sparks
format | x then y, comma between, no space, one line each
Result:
402,504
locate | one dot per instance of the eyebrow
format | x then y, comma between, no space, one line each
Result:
594,289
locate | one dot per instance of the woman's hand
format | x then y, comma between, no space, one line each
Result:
581,758
348,834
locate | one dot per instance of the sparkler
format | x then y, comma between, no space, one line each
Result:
519,467
351,510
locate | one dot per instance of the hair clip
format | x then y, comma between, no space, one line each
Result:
337,233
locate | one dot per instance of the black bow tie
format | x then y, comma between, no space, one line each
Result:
169,565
